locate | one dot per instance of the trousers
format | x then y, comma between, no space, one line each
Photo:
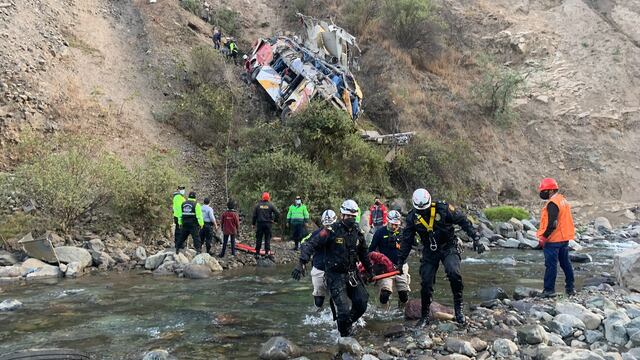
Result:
450,259
350,302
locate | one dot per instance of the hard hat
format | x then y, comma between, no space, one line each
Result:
349,207
548,184
192,195
244,57
266,196
421,199
394,217
328,217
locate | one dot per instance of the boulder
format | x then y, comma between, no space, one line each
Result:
36,269
10,271
394,330
141,253
555,340
74,269
627,268
573,245
603,225
528,225
10,305
504,348
478,344
528,244
459,346
7,258
517,224
532,335
207,260
152,262
95,245
102,260
509,243
633,311
492,293
506,230
592,336
194,271
521,292
565,353
166,268
561,328
413,310
580,258
615,327
570,320
590,320
119,256
68,254
633,331
158,354
279,348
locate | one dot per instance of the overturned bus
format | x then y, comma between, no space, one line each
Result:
293,74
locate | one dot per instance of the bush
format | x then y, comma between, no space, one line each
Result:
440,167
207,67
361,14
505,213
495,91
408,20
228,20
192,6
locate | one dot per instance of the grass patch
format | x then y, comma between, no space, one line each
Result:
505,213
77,43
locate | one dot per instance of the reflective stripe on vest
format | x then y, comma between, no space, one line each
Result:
428,226
565,229
189,209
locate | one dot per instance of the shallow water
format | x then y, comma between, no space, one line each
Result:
121,316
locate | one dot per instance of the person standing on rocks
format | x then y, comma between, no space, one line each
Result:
297,217
177,200
264,215
377,215
433,222
206,233
191,221
230,225
555,232
387,241
343,247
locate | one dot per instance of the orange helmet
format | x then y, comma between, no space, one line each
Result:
548,184
265,196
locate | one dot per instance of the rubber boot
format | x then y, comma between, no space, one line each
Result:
424,321
459,314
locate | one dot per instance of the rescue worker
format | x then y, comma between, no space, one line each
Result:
343,247
230,226
555,232
217,36
191,221
177,199
297,217
206,233
317,271
233,50
387,240
433,222
377,215
264,215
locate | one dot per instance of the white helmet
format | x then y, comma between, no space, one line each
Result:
328,217
421,199
349,207
394,217
244,57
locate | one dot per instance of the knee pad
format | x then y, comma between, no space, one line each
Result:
384,296
318,300
403,296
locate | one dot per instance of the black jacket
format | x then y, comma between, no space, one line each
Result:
342,249
443,230
387,242
265,212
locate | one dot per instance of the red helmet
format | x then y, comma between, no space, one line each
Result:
265,196
548,184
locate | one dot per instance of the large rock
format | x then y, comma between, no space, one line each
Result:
509,243
349,345
528,244
603,225
532,335
207,260
570,320
34,269
69,254
528,226
95,245
565,353
158,354
593,335
166,268
633,331
615,327
555,340
627,268
279,348
10,305
504,348
102,260
119,256
517,224
580,258
459,346
10,271
74,269
152,262
7,258
194,271
492,293
141,253
561,328
413,310
521,292
591,321
506,230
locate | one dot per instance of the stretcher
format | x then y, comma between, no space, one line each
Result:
249,249
385,275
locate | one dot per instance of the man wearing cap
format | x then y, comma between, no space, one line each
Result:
297,216
264,215
190,220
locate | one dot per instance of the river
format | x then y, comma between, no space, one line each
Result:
123,315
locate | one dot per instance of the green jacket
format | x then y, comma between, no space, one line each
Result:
358,216
298,214
178,199
198,213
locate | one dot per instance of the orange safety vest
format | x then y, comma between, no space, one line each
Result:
565,230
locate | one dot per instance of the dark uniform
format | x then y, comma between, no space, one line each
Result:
440,245
190,222
388,243
264,215
342,248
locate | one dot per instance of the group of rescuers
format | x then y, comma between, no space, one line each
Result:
342,262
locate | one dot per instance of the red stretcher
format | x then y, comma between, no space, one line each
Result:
249,249
385,275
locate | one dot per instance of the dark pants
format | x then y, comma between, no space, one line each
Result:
176,232
450,258
297,233
189,228
216,44
263,231
228,238
206,234
554,253
350,302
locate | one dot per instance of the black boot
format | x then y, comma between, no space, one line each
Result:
424,321
459,314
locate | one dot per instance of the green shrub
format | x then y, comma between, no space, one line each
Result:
192,6
496,90
504,213
360,14
207,67
228,20
408,20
